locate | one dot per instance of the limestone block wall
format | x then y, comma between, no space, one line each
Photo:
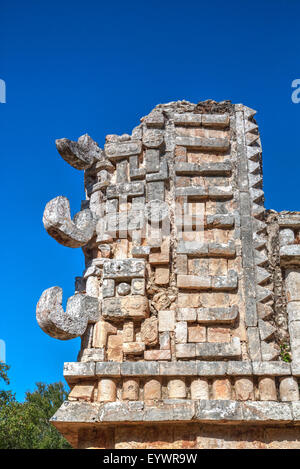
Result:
190,286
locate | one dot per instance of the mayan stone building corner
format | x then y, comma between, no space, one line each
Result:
190,298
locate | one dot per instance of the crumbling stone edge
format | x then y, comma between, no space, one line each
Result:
171,410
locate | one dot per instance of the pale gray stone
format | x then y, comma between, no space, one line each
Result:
126,189
270,368
58,223
139,368
123,289
65,325
215,120
219,350
226,315
202,143
237,368
81,154
211,368
79,370
218,410
108,369
185,368
117,150
123,268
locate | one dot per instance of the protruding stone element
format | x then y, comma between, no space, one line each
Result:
107,390
199,389
289,389
133,348
65,325
123,269
152,389
176,389
166,321
244,389
221,389
267,389
290,255
286,236
72,233
102,330
82,392
118,150
130,389
215,120
81,154
198,286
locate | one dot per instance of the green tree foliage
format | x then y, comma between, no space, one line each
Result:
26,424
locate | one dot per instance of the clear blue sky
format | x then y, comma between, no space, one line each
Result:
92,66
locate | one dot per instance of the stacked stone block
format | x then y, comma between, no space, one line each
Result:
177,305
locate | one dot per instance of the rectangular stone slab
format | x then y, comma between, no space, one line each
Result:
134,306
202,143
123,268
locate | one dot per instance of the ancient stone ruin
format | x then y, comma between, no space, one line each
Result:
189,305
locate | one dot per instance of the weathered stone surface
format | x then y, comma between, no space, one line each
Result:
198,286
117,150
102,330
115,348
58,223
139,368
201,143
185,350
135,306
166,321
107,368
123,269
68,324
219,350
133,348
74,370
206,169
107,390
267,389
176,389
289,389
290,255
130,390
217,315
149,331
193,282
152,389
196,334
215,120
187,314
157,355
181,332
82,392
188,119
221,389
81,154
271,368
244,390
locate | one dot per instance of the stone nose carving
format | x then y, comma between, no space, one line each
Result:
81,154
64,325
58,223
